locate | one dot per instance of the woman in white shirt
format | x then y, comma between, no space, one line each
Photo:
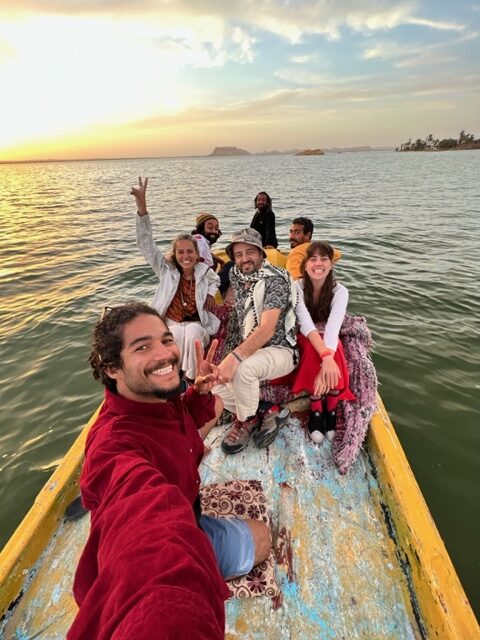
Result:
186,288
322,371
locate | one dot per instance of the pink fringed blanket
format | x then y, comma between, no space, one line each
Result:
353,418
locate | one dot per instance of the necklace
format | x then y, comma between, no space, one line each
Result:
185,302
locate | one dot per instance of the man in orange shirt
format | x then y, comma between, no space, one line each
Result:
300,236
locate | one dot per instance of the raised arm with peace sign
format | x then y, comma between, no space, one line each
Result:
207,372
140,194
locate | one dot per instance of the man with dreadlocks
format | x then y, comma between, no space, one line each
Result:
264,308
264,220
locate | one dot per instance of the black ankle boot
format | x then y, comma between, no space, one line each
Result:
330,424
316,426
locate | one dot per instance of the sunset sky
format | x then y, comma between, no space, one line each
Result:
86,79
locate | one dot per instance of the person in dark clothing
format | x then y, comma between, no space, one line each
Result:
264,220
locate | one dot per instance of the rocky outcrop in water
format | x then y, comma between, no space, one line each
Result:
229,151
310,152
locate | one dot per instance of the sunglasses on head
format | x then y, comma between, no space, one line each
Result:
107,309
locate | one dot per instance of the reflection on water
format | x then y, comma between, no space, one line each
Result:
408,227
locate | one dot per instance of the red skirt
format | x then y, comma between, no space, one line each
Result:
303,377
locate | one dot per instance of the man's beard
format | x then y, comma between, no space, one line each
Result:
166,394
212,237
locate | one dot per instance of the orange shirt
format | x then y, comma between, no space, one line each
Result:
183,306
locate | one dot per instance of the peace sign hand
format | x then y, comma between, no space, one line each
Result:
140,194
207,372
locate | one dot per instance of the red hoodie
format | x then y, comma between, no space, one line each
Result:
147,571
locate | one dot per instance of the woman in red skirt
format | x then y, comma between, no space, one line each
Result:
322,371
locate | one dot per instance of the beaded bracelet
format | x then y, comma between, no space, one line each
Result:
235,355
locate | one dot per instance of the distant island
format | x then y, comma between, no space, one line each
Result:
350,149
465,141
310,152
229,151
236,151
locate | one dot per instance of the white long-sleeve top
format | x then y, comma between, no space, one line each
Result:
206,280
331,328
204,249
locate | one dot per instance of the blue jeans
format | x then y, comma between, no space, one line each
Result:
232,542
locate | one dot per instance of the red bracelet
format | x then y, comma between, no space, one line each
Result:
326,353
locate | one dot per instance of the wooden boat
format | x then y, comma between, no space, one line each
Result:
357,556
364,560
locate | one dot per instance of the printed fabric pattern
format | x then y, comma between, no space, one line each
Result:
270,288
243,499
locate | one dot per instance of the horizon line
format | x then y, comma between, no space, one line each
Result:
209,155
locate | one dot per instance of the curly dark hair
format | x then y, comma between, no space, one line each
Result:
107,339
319,308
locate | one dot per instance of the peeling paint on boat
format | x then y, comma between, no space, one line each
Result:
357,556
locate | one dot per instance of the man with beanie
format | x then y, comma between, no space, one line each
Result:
264,312
207,232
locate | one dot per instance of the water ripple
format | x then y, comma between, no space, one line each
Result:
408,227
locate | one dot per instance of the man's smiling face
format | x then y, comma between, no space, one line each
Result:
149,371
247,257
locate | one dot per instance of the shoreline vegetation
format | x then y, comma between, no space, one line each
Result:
465,141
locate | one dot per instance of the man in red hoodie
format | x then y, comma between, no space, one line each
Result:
152,566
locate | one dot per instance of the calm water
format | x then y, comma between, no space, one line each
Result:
409,229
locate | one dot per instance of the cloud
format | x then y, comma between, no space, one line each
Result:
291,20
385,51
245,44
332,96
427,58
417,54
67,65
301,77
435,24
301,59
256,108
